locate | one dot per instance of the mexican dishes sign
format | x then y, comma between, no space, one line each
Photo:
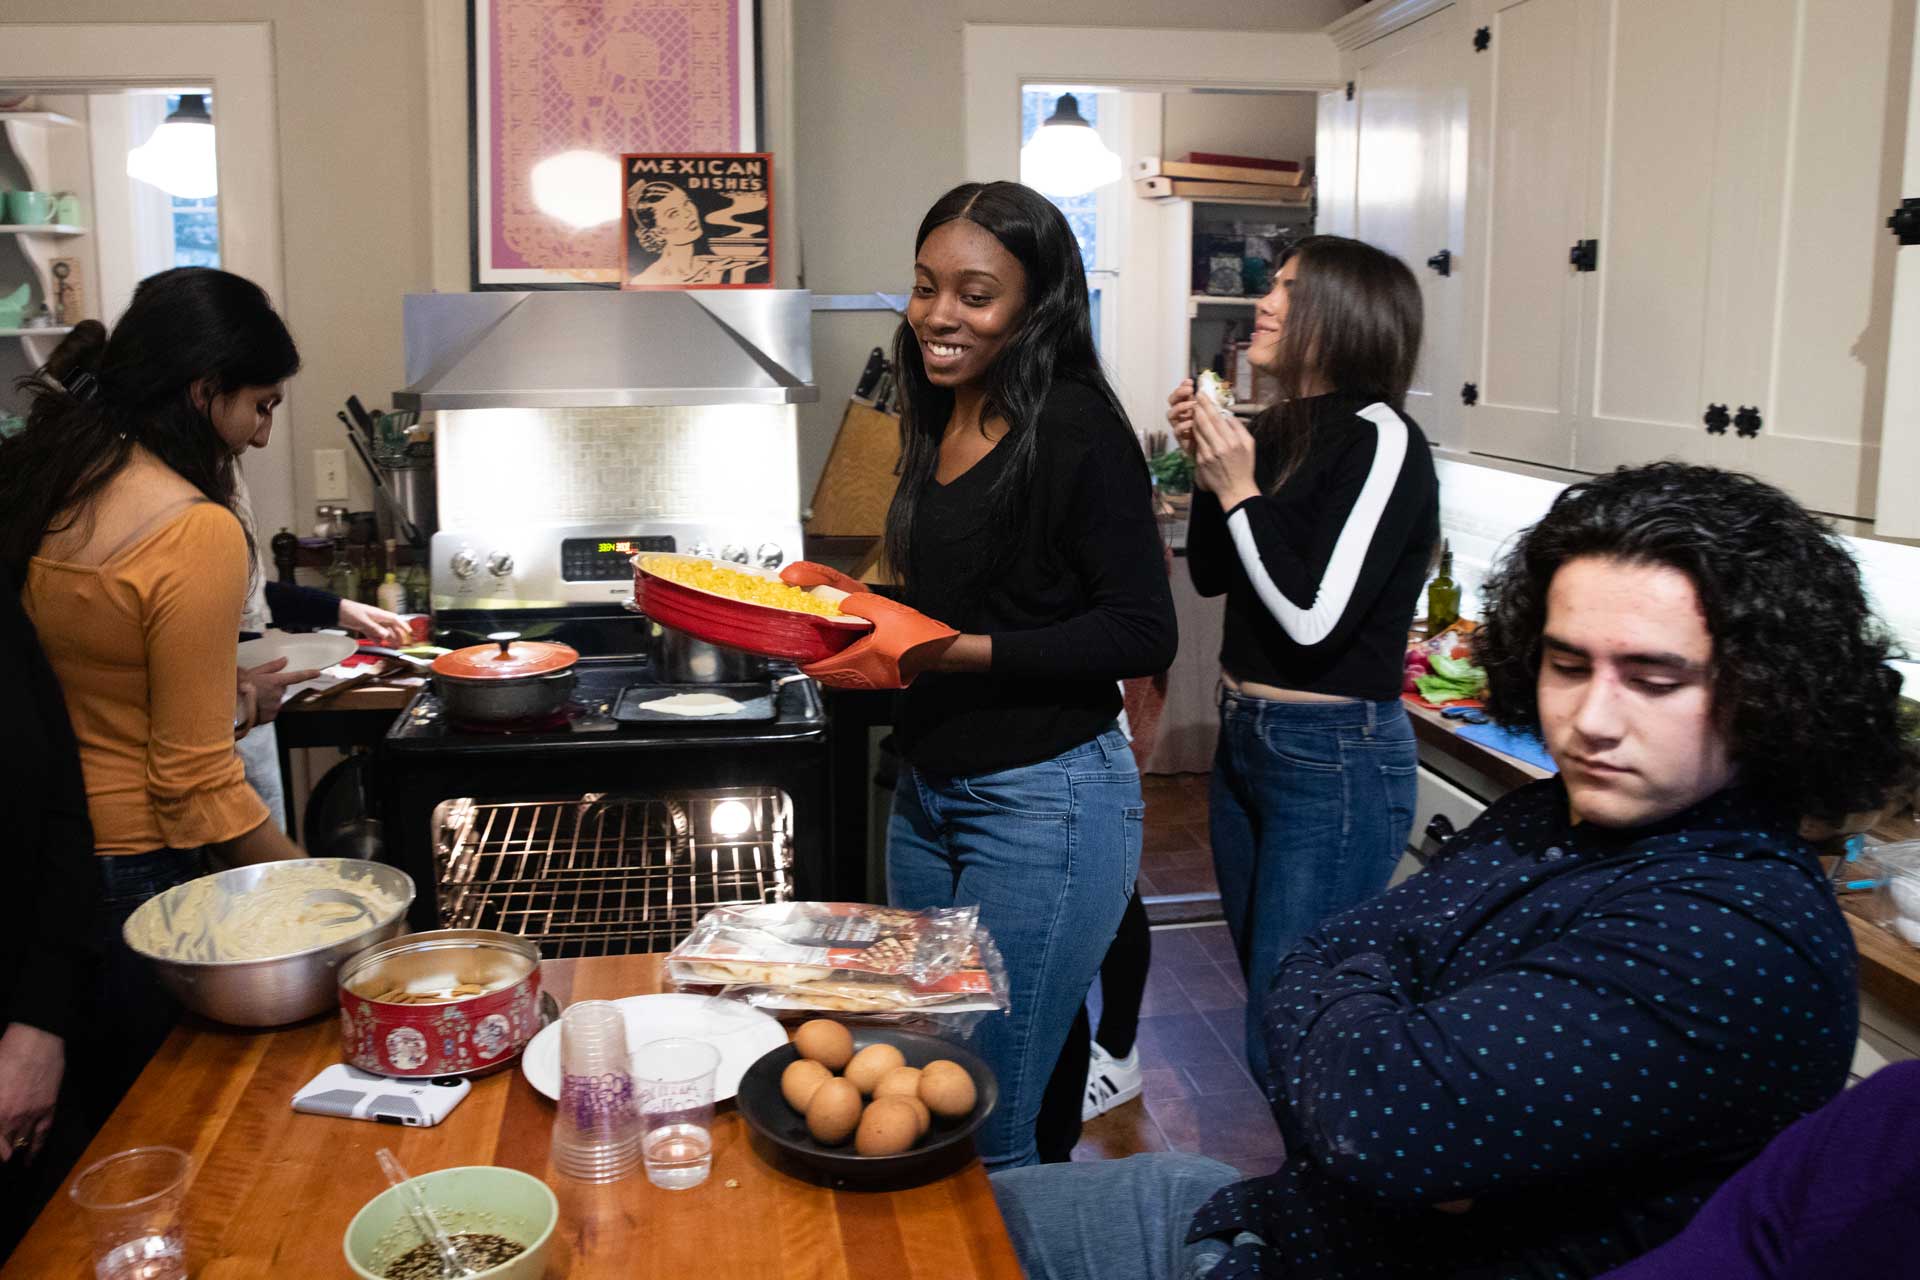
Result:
561,91
698,221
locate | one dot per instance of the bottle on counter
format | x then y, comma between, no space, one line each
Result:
1443,594
342,579
286,550
391,595
368,585
417,585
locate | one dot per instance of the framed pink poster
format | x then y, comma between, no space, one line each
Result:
562,89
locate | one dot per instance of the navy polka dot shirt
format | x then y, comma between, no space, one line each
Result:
1581,1031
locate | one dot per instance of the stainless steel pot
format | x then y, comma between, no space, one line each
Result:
681,659
505,681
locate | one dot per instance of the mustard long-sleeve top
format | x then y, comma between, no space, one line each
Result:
144,647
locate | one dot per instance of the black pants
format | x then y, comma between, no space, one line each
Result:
124,1019
1123,985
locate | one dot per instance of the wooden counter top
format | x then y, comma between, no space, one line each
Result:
272,1190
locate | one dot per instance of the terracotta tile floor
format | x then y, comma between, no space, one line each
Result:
1198,1095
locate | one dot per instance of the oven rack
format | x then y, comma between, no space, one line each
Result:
608,875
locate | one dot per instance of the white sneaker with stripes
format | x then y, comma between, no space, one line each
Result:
1111,1081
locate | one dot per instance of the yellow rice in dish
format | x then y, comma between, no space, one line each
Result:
706,575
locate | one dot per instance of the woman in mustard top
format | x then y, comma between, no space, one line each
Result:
117,516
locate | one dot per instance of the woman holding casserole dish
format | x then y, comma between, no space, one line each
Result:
117,521
1318,525
1023,523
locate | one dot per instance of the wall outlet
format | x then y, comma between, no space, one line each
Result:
329,474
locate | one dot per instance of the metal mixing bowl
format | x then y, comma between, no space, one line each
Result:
278,989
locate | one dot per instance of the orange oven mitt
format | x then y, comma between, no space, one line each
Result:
811,573
873,661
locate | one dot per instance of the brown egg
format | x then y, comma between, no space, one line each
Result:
901,1081
920,1110
834,1113
825,1041
799,1080
947,1089
888,1128
870,1064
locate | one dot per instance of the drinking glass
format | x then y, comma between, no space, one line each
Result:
674,1078
133,1202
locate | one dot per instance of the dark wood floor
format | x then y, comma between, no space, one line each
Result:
1197,1094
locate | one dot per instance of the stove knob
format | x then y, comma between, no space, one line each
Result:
770,555
499,564
465,563
700,549
735,552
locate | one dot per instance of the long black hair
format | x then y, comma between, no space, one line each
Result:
99,395
1800,673
1054,339
1354,317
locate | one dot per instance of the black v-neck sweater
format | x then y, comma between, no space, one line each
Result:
1082,604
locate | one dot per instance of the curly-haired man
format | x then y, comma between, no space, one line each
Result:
1542,1054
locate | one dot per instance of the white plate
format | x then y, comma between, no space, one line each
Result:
314,651
742,1034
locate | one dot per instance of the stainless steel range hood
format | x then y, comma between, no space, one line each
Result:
561,349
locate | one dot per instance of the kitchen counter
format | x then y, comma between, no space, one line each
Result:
272,1190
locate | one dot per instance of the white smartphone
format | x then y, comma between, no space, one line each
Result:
342,1090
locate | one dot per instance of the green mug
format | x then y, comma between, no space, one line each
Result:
66,209
27,208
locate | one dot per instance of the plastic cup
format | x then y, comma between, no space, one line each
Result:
596,1130
133,1201
675,1081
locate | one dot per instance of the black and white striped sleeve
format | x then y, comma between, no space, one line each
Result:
1377,497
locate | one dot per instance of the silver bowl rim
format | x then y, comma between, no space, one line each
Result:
358,942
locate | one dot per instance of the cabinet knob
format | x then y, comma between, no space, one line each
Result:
1585,256
1440,828
1442,262
1746,423
1905,222
1716,419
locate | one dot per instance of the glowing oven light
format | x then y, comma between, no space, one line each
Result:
731,818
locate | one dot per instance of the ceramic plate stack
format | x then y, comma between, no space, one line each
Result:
756,628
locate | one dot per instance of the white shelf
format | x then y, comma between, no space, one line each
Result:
51,119
41,229
44,331
1223,300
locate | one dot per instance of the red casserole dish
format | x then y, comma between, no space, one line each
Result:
755,628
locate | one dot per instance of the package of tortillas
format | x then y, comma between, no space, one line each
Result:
844,956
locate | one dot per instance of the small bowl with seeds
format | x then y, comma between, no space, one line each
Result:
501,1222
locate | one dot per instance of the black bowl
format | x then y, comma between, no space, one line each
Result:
781,1135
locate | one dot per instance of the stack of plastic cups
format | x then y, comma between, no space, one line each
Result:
596,1128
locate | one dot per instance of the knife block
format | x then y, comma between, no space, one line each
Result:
856,486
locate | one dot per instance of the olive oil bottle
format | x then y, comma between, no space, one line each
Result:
1443,595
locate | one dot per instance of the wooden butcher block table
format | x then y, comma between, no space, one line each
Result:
272,1190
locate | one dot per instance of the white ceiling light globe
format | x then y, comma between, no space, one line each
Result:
179,157
1065,157
580,188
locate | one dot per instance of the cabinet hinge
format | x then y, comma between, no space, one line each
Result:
1746,423
1470,394
1349,91
1905,222
1442,262
1716,419
1585,256
1482,38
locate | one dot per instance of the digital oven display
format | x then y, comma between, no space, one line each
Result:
604,559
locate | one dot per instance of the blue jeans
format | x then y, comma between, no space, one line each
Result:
1103,1219
1310,805
1049,852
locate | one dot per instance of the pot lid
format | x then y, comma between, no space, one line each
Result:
507,658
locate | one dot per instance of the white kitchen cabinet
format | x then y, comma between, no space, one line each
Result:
1733,162
1409,128
1531,98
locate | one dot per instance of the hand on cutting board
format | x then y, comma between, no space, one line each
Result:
902,644
809,573
31,1063
267,684
376,625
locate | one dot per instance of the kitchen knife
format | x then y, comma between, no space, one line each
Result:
870,376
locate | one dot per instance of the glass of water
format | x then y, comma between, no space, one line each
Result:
133,1203
674,1081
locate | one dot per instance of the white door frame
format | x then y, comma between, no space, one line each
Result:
236,61
1150,341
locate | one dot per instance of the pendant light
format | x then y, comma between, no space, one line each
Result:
179,157
1065,157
